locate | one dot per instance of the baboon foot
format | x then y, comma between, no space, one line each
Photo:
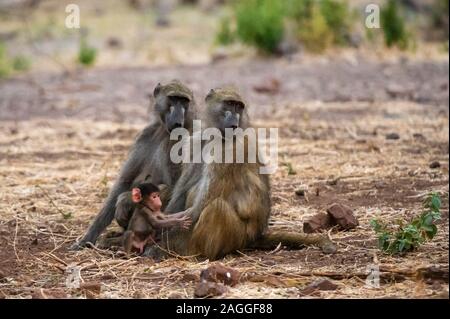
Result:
80,245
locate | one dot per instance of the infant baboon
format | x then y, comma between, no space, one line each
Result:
147,218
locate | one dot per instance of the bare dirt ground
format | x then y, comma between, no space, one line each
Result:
63,138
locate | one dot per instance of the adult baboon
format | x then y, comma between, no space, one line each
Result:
148,159
229,202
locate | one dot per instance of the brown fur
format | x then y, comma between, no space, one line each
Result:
230,203
149,159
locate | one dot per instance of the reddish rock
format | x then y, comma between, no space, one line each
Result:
435,164
321,284
139,295
342,216
221,274
392,136
268,86
191,277
317,223
93,287
49,294
175,295
209,289
270,280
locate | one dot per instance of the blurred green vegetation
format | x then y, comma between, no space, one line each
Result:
21,63
393,26
314,32
225,35
4,65
86,54
325,22
440,18
260,23
321,24
12,65
122,31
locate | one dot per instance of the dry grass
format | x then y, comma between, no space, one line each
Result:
55,175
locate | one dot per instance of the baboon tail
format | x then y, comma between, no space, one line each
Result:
293,240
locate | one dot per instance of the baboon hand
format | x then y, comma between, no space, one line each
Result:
185,222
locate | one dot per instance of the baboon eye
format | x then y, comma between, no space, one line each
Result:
179,99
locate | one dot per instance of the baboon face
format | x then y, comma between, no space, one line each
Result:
225,110
174,115
172,104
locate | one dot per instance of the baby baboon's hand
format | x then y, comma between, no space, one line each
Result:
188,212
185,222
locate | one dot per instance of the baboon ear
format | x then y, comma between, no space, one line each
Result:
157,90
210,94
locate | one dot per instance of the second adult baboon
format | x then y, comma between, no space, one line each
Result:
229,202
148,159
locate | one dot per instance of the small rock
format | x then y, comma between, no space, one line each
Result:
94,286
343,216
333,182
49,294
372,146
399,91
380,185
268,86
108,277
419,136
392,136
2,277
435,164
191,277
220,273
317,223
287,47
209,289
355,39
412,173
268,279
175,295
324,284
321,284
114,43
139,295
219,54
90,295
301,191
